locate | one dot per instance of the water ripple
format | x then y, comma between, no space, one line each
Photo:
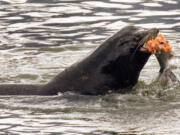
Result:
61,32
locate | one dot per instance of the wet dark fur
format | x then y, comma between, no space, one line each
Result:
110,67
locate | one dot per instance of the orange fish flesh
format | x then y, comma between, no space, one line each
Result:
158,44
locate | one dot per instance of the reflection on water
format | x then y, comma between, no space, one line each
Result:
39,38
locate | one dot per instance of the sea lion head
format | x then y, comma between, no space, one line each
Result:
127,57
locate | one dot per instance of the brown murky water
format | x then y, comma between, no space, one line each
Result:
39,38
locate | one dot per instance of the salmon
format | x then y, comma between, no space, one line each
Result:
165,72
158,45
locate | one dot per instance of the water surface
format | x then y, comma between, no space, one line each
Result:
40,38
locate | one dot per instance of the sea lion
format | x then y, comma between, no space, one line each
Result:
114,65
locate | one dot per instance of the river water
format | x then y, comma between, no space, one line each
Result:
40,38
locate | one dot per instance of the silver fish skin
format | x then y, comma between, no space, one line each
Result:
165,73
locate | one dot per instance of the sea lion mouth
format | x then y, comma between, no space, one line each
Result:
151,34
143,49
